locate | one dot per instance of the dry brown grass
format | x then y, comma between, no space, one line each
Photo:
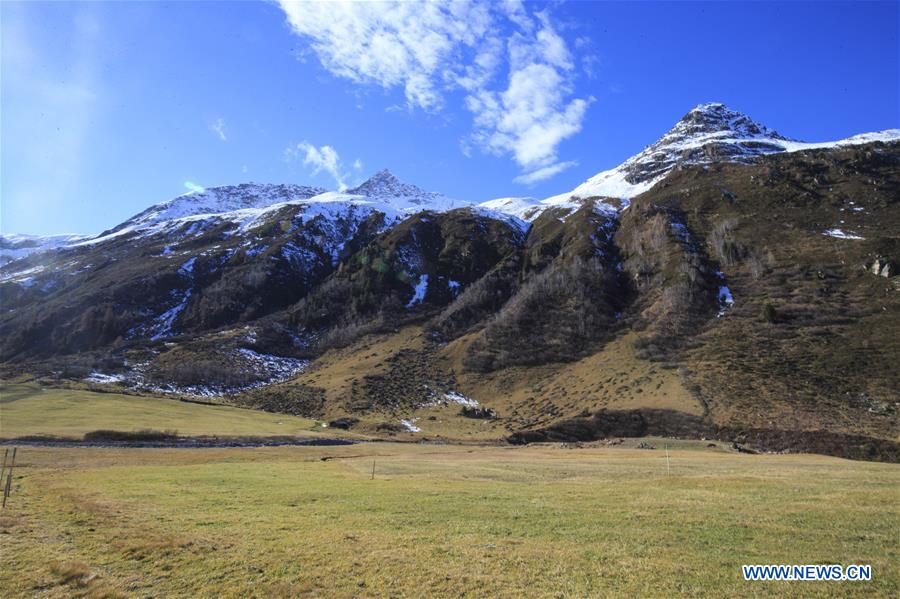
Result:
613,378
74,573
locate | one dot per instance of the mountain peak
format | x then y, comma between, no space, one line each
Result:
385,184
710,132
717,118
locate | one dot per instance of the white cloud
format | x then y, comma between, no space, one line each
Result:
516,72
323,158
393,44
590,64
218,127
544,173
193,187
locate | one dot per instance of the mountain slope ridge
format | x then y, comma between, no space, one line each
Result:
467,301
709,133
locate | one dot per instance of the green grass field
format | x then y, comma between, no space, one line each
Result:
28,409
441,521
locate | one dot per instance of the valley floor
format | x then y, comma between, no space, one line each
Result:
441,520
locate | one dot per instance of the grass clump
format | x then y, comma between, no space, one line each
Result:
74,573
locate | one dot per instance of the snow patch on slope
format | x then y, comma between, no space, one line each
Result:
17,246
278,368
272,370
419,291
163,324
839,234
410,425
459,398
726,299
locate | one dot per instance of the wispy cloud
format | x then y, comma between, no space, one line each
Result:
516,72
323,158
545,173
218,127
193,187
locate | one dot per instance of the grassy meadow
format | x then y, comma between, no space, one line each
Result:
441,520
29,409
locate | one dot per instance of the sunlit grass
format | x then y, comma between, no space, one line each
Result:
27,409
443,520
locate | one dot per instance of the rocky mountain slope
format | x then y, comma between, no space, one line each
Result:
726,281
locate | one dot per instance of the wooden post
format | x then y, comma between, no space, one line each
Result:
3,468
667,460
373,468
7,489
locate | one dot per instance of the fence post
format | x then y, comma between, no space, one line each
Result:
3,468
7,489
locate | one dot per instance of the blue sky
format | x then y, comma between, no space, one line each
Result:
110,107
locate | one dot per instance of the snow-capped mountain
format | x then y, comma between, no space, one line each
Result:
218,200
384,192
404,197
239,203
239,287
246,205
709,133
